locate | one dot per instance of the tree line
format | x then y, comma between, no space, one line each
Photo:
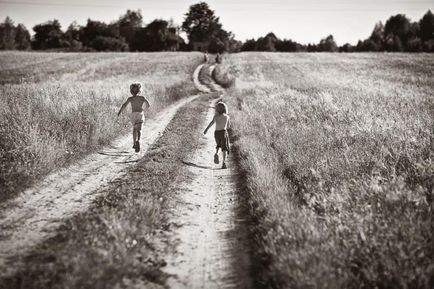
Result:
125,34
204,32
128,33
399,34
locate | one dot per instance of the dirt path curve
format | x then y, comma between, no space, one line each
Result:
212,247
36,214
199,82
202,78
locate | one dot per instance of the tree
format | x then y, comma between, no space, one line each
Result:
7,34
72,37
103,43
221,41
249,45
174,42
428,46
397,26
201,25
376,40
328,44
159,35
267,43
200,22
426,25
287,45
312,48
414,45
131,19
347,48
370,45
93,29
22,38
73,32
129,25
48,35
393,43
156,34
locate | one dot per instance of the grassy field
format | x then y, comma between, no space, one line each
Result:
57,107
337,152
121,240
338,155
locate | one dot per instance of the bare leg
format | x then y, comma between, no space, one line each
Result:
134,135
216,156
224,156
139,133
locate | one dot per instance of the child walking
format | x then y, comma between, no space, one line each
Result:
137,116
222,123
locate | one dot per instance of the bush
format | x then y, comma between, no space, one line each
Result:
102,43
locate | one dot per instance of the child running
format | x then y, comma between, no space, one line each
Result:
222,123
137,116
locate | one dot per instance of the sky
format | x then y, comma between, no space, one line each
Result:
304,21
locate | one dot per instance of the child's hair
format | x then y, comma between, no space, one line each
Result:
135,88
221,107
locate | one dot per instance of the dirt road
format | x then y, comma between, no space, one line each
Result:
212,246
212,249
37,213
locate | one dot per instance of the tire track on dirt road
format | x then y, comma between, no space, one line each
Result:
35,215
199,82
206,83
212,249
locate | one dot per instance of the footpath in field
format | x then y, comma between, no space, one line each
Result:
212,245
36,214
210,236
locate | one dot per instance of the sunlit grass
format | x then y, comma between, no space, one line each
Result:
63,105
122,240
338,154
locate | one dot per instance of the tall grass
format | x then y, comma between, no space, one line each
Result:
54,116
338,153
121,240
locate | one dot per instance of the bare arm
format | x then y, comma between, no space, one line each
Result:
148,105
210,124
123,106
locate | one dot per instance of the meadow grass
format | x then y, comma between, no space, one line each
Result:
338,156
57,107
121,241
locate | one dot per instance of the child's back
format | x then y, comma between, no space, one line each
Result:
137,102
221,121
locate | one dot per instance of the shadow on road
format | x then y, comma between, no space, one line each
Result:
115,153
198,166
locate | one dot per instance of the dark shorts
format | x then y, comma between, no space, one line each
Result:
222,139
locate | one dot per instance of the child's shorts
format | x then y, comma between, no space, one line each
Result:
222,139
137,119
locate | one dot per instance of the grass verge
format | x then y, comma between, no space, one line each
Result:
117,244
47,123
225,75
338,156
